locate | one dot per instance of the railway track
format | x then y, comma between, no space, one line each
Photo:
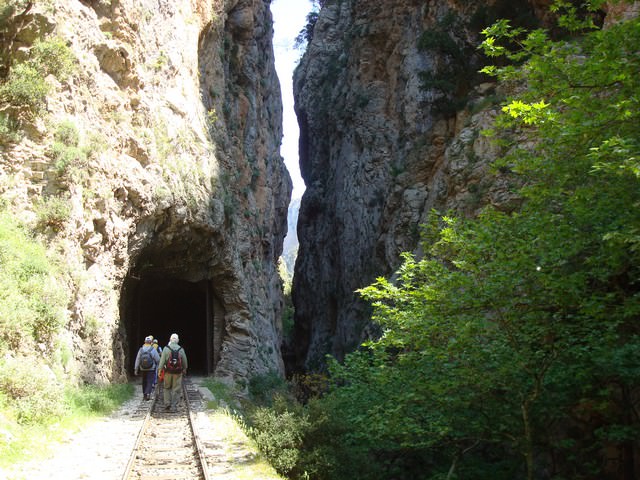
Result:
168,446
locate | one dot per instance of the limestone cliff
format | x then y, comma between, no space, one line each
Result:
178,180
390,108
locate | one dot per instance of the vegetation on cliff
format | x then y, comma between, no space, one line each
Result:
39,398
510,348
38,401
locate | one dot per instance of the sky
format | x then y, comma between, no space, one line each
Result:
289,16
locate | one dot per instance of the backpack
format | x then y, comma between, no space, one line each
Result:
146,360
174,362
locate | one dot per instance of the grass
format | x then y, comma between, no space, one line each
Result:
20,443
23,442
32,297
222,392
240,453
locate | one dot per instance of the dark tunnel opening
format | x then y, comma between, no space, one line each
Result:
159,305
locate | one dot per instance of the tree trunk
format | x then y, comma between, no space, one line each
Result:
528,438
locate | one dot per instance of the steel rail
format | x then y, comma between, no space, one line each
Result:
136,445
196,438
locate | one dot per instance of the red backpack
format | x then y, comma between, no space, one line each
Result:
174,362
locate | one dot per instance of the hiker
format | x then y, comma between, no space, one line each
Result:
159,350
146,362
174,364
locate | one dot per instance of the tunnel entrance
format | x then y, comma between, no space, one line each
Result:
160,305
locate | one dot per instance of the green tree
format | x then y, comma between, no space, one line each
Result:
26,86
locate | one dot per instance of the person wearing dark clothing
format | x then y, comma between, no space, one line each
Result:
146,362
159,350
173,354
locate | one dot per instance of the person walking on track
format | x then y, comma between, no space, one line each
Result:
146,362
174,363
159,350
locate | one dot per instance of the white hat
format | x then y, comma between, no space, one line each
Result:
148,339
174,338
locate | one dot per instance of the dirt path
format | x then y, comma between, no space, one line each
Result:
101,450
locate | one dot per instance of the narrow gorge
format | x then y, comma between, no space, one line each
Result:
465,298
152,168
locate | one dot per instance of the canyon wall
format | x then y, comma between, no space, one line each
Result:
391,109
177,111
390,106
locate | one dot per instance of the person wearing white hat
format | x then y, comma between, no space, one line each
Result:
174,363
146,362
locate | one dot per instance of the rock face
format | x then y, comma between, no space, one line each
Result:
180,186
390,108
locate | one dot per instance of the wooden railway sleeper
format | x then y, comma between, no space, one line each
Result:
155,456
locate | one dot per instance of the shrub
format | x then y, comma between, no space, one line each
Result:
69,156
305,35
9,8
440,41
93,399
9,129
53,57
67,133
96,144
32,299
52,213
222,392
26,87
279,432
65,157
329,451
309,386
263,388
33,393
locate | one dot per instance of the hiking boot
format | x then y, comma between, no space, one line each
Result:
146,396
174,409
167,407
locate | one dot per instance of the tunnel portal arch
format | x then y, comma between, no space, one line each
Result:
159,304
